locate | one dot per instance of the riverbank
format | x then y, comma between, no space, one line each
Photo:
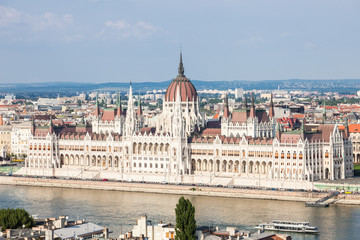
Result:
177,189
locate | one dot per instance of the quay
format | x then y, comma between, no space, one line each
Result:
304,196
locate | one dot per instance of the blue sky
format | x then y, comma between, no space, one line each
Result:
139,40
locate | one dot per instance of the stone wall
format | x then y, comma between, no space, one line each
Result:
177,189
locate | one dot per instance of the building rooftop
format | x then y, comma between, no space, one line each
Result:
82,230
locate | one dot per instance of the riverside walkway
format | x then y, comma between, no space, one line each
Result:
176,189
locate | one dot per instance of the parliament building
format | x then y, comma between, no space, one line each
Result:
245,147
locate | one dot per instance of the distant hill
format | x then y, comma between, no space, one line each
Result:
68,88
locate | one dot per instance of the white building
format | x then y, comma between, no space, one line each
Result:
244,148
146,229
239,93
9,97
20,136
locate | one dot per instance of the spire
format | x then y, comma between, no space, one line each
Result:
178,97
130,115
139,110
181,66
97,110
278,130
177,119
226,107
302,129
51,126
245,101
119,108
347,134
271,108
252,109
33,125
324,114
130,92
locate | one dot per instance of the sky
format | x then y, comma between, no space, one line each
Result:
139,40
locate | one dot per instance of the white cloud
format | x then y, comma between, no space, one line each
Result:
122,29
119,25
50,20
11,16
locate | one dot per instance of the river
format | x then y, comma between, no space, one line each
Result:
118,210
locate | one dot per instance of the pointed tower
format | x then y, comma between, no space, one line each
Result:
130,117
302,128
252,109
226,107
181,67
271,107
119,108
178,129
324,113
33,125
51,126
97,109
139,111
346,131
278,130
245,101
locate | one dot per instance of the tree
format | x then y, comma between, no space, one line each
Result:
15,218
185,220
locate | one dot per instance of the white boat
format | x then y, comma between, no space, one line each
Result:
288,226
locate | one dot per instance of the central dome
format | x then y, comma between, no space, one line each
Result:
187,89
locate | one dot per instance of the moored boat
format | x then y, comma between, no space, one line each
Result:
288,226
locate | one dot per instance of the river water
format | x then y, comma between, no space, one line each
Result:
118,210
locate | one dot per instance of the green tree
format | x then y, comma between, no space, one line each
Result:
185,220
15,218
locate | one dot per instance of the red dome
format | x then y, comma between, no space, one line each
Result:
187,90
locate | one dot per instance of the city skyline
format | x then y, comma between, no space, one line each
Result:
110,41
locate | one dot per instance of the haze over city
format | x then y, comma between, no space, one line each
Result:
122,41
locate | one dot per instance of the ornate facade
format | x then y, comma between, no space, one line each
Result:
246,147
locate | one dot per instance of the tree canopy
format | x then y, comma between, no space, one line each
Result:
15,218
185,220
